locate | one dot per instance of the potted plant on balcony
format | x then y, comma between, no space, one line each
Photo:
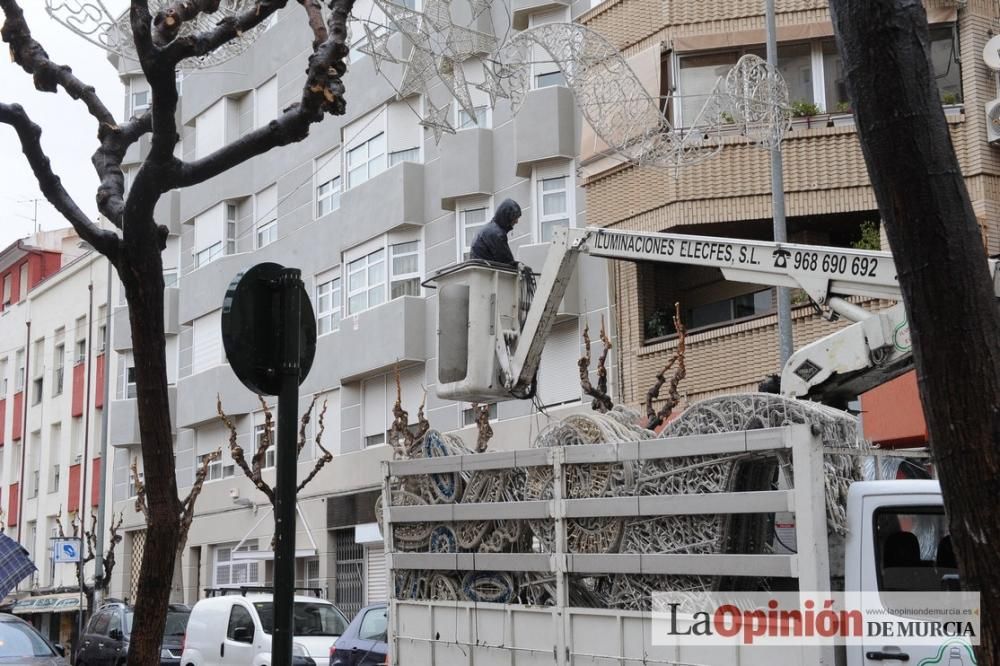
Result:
952,103
804,113
843,115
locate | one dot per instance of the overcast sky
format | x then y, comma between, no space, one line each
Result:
69,133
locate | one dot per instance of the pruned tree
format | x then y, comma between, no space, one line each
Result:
484,431
186,516
133,247
656,417
102,578
401,438
943,274
258,461
601,401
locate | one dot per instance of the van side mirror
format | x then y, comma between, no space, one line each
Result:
950,583
116,634
242,635
60,650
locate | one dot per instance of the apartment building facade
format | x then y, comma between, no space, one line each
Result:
684,47
367,207
52,366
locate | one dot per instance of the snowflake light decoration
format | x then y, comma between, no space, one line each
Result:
91,20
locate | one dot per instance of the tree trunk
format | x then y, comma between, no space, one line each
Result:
177,583
141,272
946,286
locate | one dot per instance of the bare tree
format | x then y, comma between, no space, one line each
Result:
943,273
484,431
656,417
134,246
254,469
601,401
102,579
186,508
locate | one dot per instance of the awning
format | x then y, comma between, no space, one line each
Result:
49,603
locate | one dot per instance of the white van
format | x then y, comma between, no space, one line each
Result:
235,630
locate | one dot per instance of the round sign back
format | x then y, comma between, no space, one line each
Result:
252,330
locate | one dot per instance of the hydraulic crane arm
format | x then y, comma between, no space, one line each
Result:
873,349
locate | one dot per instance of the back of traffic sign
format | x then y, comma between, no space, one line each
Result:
252,330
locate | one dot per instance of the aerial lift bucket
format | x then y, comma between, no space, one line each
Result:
477,301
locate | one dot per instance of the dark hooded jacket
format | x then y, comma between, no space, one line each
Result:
491,242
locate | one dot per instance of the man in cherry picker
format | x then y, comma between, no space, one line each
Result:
491,241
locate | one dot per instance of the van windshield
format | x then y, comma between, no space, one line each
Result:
311,618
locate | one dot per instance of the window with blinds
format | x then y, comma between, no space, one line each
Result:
558,374
206,342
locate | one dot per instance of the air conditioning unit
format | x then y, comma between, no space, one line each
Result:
993,122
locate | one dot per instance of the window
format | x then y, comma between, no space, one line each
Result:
59,369
549,79
913,550
366,282
307,572
229,572
206,342
465,121
553,206
127,389
265,216
328,196
266,102
8,280
216,469
558,373
328,303
374,625
366,161
737,307
19,371
210,128
469,414
241,626
170,277
3,378
945,59
328,183
471,221
215,233
24,280
140,102
375,410
405,155
102,329
405,279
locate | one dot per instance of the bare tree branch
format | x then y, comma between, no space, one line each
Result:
423,425
314,10
188,503
140,491
48,76
239,456
323,93
485,430
107,161
29,134
303,422
199,44
168,22
656,418
323,459
601,400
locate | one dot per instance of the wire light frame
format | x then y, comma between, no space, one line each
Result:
91,20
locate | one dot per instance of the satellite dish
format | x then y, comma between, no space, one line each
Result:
991,53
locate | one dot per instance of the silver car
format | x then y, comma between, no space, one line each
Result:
20,643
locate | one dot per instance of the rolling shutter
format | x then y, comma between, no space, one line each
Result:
558,374
376,588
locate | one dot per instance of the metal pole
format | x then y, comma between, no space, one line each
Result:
288,286
778,202
101,498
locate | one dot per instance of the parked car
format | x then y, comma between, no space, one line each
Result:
20,643
235,630
364,642
106,638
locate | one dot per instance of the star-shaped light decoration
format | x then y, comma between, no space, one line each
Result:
437,121
492,85
479,7
376,46
439,46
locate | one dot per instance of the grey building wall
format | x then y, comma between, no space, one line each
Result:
417,199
